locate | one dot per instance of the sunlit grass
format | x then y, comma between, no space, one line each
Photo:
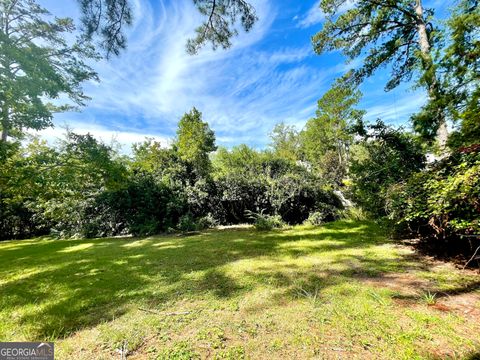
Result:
236,293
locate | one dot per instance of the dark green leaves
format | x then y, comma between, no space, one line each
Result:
107,19
382,32
220,26
38,63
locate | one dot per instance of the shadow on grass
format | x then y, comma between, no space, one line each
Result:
51,288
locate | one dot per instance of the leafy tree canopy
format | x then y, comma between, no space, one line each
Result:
386,32
195,140
286,142
37,63
327,137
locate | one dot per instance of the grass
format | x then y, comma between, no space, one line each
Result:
301,293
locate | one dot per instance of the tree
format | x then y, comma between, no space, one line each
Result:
108,18
389,32
219,28
285,142
240,159
327,137
37,63
53,187
460,71
195,141
384,157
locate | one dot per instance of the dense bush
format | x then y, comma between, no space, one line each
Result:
324,213
384,158
442,202
265,222
237,194
17,221
295,196
84,188
148,207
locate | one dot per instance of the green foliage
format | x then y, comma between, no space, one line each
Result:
384,32
326,138
250,180
16,220
295,196
106,19
264,222
468,133
458,78
353,213
461,69
402,35
56,186
186,223
219,28
240,159
82,187
286,142
143,206
195,141
323,213
442,202
236,194
384,158
37,63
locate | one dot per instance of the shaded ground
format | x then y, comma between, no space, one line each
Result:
338,291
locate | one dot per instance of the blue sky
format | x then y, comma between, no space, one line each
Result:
270,75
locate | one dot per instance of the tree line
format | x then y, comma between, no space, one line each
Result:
83,186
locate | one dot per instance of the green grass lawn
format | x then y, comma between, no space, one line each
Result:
338,291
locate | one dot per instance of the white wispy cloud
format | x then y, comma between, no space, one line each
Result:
393,109
315,15
122,139
242,91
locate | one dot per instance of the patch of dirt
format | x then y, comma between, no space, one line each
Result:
467,305
407,285
410,288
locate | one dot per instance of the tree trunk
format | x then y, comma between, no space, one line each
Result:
432,82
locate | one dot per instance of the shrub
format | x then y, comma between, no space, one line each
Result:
142,207
236,194
324,213
353,213
387,156
441,203
264,222
315,218
206,222
295,196
187,223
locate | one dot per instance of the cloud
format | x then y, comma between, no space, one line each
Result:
315,15
266,77
242,91
123,138
394,110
